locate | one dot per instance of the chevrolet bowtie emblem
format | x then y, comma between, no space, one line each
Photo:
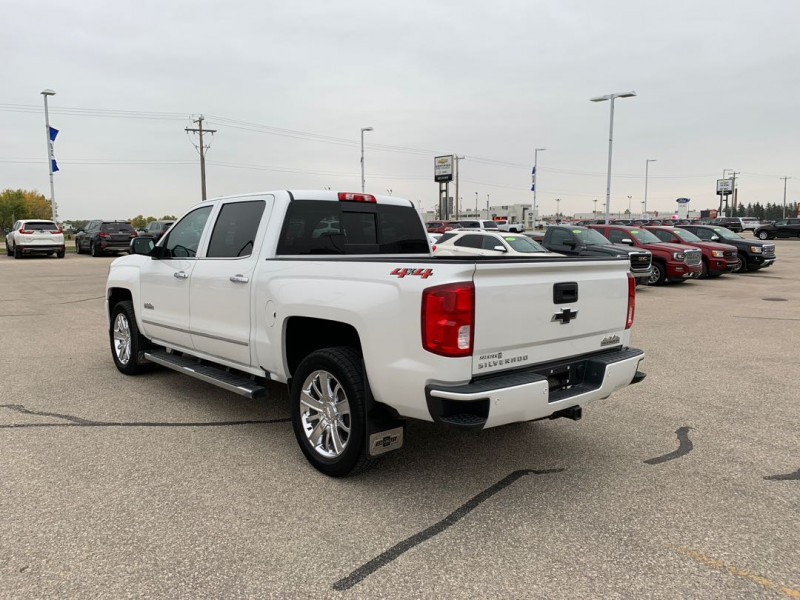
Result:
565,316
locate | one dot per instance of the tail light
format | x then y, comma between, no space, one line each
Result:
104,235
433,247
57,231
25,231
448,319
631,301
350,197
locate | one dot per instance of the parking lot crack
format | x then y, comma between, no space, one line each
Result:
73,421
788,477
407,544
684,447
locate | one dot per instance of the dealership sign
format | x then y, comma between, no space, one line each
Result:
724,187
683,200
443,168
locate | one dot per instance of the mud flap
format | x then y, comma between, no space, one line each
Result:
385,432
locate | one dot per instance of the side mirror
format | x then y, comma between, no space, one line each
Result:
79,231
142,245
714,238
628,241
500,248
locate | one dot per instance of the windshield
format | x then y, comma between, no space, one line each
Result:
523,244
40,226
687,236
727,234
644,236
591,237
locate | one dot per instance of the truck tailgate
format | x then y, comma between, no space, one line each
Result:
521,321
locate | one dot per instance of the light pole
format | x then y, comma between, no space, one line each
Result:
646,173
629,206
595,208
558,208
784,195
476,206
611,97
363,129
457,158
533,183
487,207
47,93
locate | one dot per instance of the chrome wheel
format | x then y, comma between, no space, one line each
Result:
122,338
325,414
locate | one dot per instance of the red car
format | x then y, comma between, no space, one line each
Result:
671,262
717,258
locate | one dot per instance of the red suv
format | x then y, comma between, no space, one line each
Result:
671,262
717,258
441,226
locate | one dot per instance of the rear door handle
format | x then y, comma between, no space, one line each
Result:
181,275
239,278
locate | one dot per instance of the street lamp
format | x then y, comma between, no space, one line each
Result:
476,206
784,195
363,129
47,93
595,208
535,177
629,206
646,170
611,97
558,208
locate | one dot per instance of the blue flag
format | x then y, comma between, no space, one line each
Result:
533,178
53,133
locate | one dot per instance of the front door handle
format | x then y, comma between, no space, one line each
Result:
181,275
239,278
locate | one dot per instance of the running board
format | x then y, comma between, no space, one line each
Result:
236,383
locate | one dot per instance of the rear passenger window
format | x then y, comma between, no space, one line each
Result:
329,227
470,241
235,230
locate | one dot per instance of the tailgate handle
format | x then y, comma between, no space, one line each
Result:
565,292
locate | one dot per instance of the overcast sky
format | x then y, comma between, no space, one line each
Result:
288,85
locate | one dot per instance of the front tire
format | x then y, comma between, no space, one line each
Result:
741,264
763,235
659,274
704,270
328,405
127,344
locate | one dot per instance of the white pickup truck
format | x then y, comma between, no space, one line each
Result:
338,296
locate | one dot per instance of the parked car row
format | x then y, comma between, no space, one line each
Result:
99,237
678,253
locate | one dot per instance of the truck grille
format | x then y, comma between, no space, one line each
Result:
640,261
693,257
769,250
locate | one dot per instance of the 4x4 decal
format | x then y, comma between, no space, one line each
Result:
424,273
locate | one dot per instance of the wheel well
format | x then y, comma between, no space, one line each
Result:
117,295
304,335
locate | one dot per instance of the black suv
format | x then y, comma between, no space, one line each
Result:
732,223
783,228
751,254
155,229
101,236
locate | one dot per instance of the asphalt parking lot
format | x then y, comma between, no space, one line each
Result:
686,485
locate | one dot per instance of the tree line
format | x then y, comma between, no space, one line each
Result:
30,204
768,212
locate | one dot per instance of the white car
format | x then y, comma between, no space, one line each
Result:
35,236
488,243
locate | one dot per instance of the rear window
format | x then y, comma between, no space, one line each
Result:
325,227
490,225
115,227
40,226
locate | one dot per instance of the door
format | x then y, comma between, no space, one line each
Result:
221,282
164,281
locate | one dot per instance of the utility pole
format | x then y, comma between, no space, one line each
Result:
733,192
202,149
477,215
487,207
458,168
784,195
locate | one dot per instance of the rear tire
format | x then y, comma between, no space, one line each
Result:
77,247
61,254
127,344
95,250
328,406
17,252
